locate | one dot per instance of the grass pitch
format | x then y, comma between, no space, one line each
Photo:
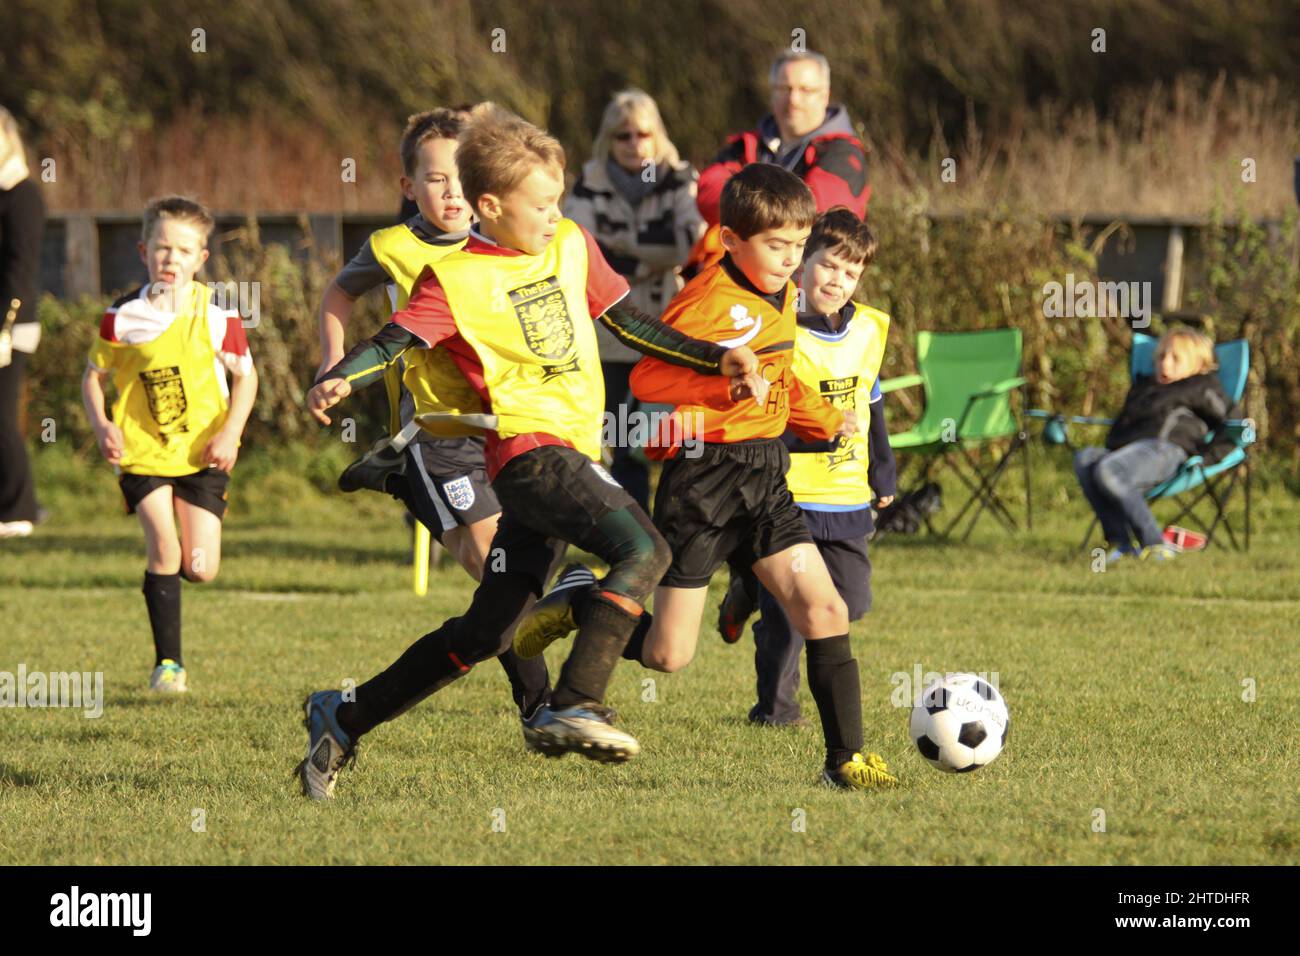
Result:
1153,708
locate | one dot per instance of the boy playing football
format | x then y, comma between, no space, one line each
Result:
838,348
514,309
441,480
174,434
731,502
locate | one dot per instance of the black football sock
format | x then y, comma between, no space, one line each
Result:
441,656
162,596
602,636
837,689
636,643
426,666
530,683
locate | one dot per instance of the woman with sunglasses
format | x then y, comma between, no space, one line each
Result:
637,197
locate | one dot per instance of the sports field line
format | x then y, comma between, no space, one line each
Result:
983,593
1092,597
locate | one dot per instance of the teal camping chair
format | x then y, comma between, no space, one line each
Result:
1216,481
968,378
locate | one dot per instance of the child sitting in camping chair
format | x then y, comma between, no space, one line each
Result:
1165,419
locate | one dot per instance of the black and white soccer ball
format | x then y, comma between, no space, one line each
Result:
961,723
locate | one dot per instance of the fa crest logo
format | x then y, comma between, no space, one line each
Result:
459,492
544,318
165,390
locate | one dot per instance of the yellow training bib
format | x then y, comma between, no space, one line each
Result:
842,367
169,403
527,319
405,256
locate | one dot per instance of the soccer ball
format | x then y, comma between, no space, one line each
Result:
961,723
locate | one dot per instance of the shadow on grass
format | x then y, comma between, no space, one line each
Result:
233,546
14,777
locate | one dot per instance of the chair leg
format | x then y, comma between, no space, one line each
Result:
1087,535
984,494
1029,493
1247,494
1219,505
992,500
974,500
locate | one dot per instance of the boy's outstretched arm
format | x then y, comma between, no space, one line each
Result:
335,309
658,339
722,376
360,367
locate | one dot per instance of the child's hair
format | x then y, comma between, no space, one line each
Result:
1191,344
626,104
431,124
11,145
840,231
498,150
179,208
764,196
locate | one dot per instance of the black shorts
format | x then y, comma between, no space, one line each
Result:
549,496
731,502
448,484
204,489
850,570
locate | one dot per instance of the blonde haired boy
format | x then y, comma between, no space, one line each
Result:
441,479
174,434
516,310
1166,417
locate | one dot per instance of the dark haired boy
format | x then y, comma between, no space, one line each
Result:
731,502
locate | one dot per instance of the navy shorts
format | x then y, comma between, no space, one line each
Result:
447,484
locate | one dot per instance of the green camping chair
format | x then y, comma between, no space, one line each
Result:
968,378
1216,482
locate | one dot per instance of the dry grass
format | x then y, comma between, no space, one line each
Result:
1177,151
1174,151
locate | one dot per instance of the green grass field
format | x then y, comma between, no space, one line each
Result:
1125,690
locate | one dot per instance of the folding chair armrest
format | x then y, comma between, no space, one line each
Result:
1001,388
998,389
902,381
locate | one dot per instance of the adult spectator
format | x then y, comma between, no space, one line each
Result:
22,222
805,133
636,196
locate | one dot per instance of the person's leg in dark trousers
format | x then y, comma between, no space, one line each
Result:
17,494
777,645
1127,474
627,470
530,682
504,596
544,494
558,492
777,649
1109,514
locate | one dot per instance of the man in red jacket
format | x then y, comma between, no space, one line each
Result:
805,134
